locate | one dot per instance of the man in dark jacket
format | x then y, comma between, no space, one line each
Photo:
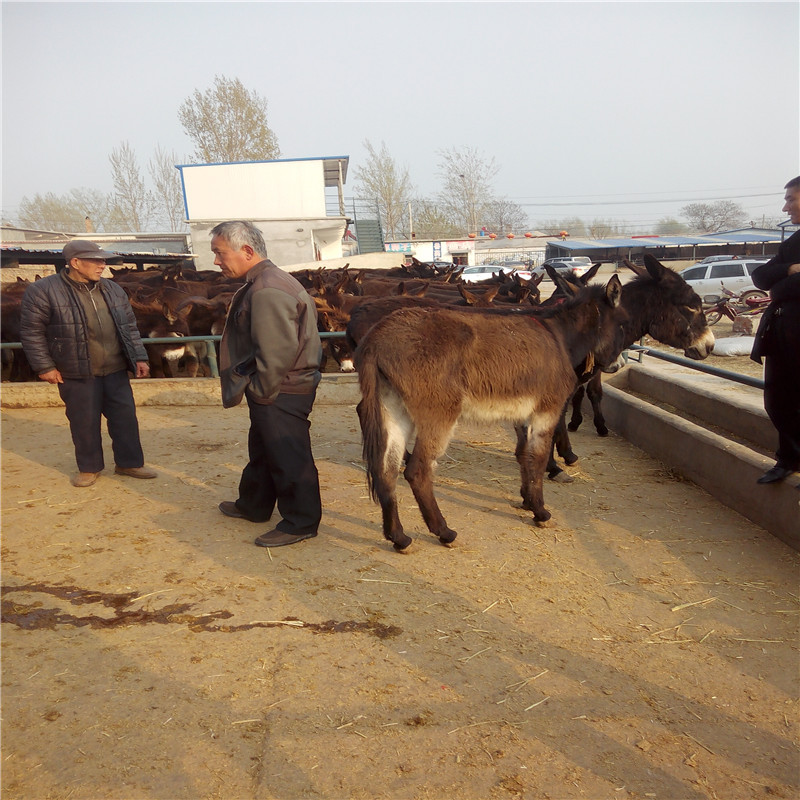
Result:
270,353
79,332
778,340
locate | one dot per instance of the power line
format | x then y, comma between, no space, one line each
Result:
644,202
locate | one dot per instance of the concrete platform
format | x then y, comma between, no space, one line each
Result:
707,429
712,432
333,389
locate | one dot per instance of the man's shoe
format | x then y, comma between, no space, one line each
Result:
276,538
230,509
135,472
85,479
775,474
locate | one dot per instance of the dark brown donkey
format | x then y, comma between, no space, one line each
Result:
422,370
662,305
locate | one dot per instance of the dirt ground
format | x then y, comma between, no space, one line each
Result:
643,644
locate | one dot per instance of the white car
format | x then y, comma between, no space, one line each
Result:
734,275
486,271
574,265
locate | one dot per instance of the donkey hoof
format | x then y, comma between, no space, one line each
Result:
561,477
602,431
570,459
401,543
573,426
541,517
448,537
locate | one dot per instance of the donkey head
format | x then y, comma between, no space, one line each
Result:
664,306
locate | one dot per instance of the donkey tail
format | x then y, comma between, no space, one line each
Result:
370,415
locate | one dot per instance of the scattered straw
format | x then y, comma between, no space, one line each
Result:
537,704
473,725
700,743
467,658
149,594
522,684
696,603
293,623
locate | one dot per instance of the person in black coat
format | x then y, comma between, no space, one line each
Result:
78,332
778,340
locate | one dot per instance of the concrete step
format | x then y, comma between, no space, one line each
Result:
710,431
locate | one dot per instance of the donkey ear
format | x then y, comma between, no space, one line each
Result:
656,269
470,297
631,266
614,291
587,276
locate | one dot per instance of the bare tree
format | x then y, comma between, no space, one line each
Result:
66,213
167,184
604,228
669,226
133,202
504,216
713,217
467,186
431,221
382,181
228,123
574,226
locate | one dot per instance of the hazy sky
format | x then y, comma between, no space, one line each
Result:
600,110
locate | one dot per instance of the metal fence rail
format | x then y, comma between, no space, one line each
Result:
211,341
737,377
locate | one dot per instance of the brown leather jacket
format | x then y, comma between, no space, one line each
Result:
270,344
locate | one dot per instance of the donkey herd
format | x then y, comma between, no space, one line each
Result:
429,352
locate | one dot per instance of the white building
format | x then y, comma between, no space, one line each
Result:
286,199
475,251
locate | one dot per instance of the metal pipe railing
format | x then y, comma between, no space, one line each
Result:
211,341
699,366
756,383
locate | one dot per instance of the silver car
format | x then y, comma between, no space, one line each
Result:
711,277
575,265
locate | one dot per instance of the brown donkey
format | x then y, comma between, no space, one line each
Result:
422,370
661,305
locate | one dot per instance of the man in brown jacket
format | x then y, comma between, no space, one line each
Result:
270,353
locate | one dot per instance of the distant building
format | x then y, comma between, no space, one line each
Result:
296,203
39,252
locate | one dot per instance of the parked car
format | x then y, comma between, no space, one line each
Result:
711,259
734,274
576,265
486,271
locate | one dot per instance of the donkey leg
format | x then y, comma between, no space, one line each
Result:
419,474
384,476
532,454
561,440
577,416
595,392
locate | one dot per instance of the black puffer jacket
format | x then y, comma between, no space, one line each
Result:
53,327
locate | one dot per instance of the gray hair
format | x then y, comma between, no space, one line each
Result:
239,233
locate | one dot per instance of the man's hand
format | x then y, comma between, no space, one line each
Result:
142,369
794,269
52,376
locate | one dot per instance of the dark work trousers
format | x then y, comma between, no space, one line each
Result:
782,389
281,468
89,399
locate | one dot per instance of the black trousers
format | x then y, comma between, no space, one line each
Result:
281,469
782,389
87,400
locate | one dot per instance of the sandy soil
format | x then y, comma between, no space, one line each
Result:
644,644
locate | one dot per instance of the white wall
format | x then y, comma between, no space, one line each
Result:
288,241
255,190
